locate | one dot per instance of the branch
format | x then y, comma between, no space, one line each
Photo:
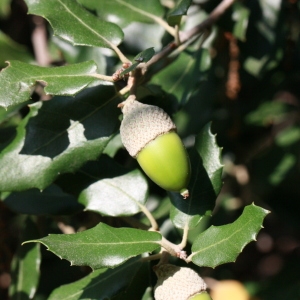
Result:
138,75
189,34
173,249
122,57
103,77
183,243
154,225
212,18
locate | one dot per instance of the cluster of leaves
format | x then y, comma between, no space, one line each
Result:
62,157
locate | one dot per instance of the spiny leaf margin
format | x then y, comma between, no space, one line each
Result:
222,244
101,246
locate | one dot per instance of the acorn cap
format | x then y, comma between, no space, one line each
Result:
177,283
141,124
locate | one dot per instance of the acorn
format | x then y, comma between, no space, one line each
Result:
179,283
149,135
201,296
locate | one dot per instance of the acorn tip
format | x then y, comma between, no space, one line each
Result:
185,193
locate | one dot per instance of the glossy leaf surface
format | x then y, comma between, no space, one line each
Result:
51,201
17,80
124,12
174,16
11,50
222,244
102,246
26,265
181,78
73,23
210,152
59,136
143,56
100,283
118,196
205,184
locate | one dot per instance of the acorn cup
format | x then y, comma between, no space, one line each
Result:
149,135
179,283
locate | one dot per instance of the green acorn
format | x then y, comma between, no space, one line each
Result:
179,283
201,296
149,135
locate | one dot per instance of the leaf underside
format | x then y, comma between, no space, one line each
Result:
119,196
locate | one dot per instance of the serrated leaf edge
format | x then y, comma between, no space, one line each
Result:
253,238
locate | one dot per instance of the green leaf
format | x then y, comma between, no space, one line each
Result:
205,184
174,16
149,35
143,56
124,12
17,80
11,115
59,136
73,23
222,244
181,78
288,136
4,8
148,294
210,152
136,288
102,246
51,201
89,173
118,196
26,266
78,54
283,167
114,145
241,16
259,66
100,284
10,50
267,113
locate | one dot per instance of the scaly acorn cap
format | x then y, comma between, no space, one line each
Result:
141,124
178,283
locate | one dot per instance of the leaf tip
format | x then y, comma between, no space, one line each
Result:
8,65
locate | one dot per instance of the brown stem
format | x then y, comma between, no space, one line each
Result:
151,257
183,243
212,18
184,37
40,42
154,225
173,249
